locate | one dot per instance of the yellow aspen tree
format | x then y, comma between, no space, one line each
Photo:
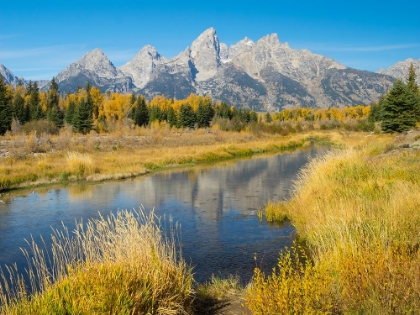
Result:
43,100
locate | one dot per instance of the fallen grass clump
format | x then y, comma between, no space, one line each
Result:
216,293
116,265
358,211
218,288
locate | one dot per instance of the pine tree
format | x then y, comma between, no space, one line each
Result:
414,90
397,109
5,108
21,112
155,113
186,116
34,101
268,118
54,113
141,112
70,112
205,113
82,118
222,111
253,117
411,80
375,111
171,116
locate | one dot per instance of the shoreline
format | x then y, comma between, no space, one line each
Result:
52,168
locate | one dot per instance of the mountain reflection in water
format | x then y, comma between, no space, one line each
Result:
215,207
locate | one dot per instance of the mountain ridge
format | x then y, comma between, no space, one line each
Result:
262,75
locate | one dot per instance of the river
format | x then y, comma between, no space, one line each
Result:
215,207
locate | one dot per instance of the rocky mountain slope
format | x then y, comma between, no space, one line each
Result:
400,69
96,68
262,75
8,76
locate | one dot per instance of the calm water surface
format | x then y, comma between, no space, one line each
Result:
216,207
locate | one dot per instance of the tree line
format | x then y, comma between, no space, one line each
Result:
89,109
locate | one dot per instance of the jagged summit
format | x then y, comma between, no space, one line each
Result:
265,74
205,54
97,61
245,44
143,65
96,68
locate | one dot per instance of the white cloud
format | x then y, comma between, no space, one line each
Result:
337,47
379,48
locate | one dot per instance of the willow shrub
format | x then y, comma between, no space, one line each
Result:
358,211
296,286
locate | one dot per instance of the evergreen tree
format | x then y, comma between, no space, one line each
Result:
411,80
155,113
34,101
268,118
54,113
56,116
186,116
82,119
222,111
21,112
89,100
171,116
204,115
133,98
70,112
398,109
53,97
141,112
253,117
5,108
375,111
414,90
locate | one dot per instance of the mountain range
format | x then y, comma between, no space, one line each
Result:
262,75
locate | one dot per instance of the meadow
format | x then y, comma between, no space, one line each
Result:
356,211
39,159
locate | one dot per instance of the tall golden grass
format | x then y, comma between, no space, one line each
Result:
80,164
128,153
121,264
358,210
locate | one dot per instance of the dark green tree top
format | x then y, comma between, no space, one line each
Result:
82,118
398,109
5,107
141,112
411,80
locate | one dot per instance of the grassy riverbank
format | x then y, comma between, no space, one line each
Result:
31,160
358,211
116,265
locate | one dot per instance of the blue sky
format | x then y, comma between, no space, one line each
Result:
38,39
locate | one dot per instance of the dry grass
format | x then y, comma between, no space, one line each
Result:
296,286
80,164
127,153
358,210
116,265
